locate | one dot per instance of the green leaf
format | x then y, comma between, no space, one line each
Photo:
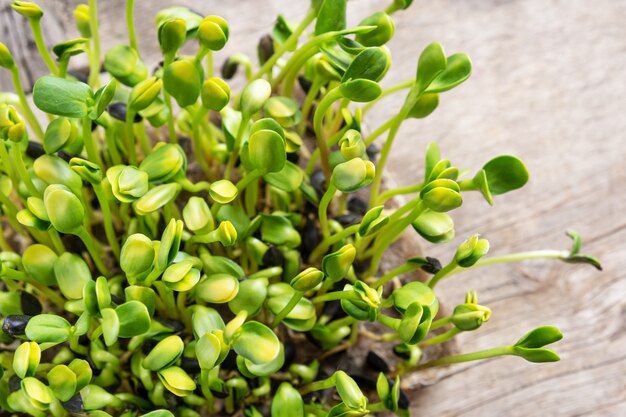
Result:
360,90
435,227
134,319
208,351
458,69
540,337
48,328
267,151
63,97
72,273
250,297
26,359
370,64
505,173
256,342
432,62
278,230
217,288
424,106
337,264
102,99
62,382
164,354
412,292
287,402
349,391
287,179
38,261
177,381
331,16
182,79
110,326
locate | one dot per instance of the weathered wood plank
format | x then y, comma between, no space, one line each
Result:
547,87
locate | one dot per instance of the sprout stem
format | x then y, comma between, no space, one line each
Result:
323,209
379,131
26,109
8,166
55,238
402,269
248,179
386,195
318,118
412,98
330,240
35,25
467,357
89,142
440,323
289,44
311,95
130,23
521,256
107,220
243,124
318,385
443,272
295,299
130,137
443,337
388,91
197,138
94,57
93,250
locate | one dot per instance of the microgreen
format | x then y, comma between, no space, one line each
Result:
178,248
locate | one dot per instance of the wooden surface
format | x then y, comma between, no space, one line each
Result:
548,86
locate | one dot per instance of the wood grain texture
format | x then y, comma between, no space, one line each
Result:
548,86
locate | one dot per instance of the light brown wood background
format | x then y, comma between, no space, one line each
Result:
549,86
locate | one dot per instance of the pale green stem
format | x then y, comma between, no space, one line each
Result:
94,57
440,323
144,140
107,220
388,91
410,101
8,164
3,242
443,272
320,136
90,143
331,240
94,251
318,385
444,337
310,165
402,269
35,25
130,137
388,236
468,357
521,256
171,128
245,119
289,44
248,179
63,67
26,109
295,299
323,209
311,95
130,24
198,149
187,185
55,238
308,49
386,195
379,131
